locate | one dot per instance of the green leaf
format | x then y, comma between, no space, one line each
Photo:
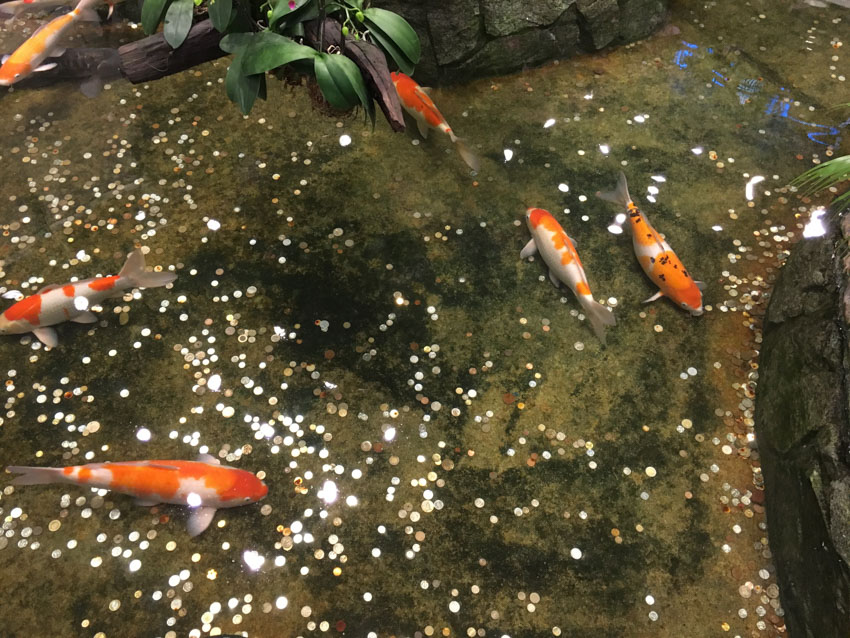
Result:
152,11
178,21
220,11
242,89
233,42
347,76
338,96
396,29
304,10
268,50
401,60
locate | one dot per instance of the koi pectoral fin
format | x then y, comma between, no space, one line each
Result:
700,285
423,128
199,519
554,279
86,316
146,502
657,295
529,249
47,336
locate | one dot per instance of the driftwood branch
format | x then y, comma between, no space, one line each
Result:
152,58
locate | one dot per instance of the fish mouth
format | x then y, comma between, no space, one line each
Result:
697,312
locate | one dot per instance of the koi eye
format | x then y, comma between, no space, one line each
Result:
247,499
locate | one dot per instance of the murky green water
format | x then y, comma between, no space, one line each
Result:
366,312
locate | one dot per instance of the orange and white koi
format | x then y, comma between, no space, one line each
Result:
204,485
656,257
28,57
559,254
421,107
15,8
56,303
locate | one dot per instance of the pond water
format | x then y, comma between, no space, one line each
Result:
449,449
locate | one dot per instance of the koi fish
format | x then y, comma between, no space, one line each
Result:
657,259
559,254
71,302
204,485
28,57
421,107
15,8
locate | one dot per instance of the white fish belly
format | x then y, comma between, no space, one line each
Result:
571,273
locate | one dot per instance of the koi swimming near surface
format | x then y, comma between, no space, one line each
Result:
203,485
559,254
42,44
57,303
421,107
657,259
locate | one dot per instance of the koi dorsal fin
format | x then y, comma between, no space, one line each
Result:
48,288
162,466
208,458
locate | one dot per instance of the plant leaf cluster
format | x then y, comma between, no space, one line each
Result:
263,35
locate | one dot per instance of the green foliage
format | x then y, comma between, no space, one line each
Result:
178,21
823,176
264,35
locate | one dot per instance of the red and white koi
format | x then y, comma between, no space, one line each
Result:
203,485
421,107
56,303
656,257
559,254
15,8
28,57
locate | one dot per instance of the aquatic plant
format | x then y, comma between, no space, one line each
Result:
823,176
309,36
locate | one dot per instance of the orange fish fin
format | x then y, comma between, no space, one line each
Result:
657,295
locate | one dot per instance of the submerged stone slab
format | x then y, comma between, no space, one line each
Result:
600,20
456,30
802,427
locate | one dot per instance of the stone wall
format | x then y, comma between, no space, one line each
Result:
803,432
466,39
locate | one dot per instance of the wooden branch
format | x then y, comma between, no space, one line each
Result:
372,63
153,58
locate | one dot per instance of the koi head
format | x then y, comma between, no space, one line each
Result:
246,488
691,300
11,72
535,216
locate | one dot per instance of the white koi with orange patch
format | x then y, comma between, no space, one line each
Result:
560,255
204,485
56,303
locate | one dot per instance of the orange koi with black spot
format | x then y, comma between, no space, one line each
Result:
56,303
204,485
421,107
560,255
657,259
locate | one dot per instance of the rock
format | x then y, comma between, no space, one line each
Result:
506,17
599,21
465,39
802,430
456,30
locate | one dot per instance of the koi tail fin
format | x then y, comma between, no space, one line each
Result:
468,156
599,316
36,475
134,270
619,195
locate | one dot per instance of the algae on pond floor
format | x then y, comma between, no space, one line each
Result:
485,465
